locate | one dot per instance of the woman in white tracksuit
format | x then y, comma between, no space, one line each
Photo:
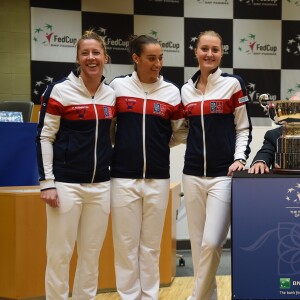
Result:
74,153
215,104
149,118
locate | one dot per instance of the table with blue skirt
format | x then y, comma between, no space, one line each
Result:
18,164
265,236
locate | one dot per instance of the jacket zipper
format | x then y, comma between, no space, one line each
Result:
96,139
203,137
144,134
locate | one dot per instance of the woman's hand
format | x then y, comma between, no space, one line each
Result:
50,197
235,166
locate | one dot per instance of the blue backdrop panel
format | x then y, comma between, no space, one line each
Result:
266,238
18,165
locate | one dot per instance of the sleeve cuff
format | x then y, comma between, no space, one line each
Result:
47,184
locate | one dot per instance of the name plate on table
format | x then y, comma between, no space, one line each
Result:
11,116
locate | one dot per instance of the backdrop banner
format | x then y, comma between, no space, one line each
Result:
261,39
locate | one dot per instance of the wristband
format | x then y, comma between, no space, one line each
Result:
242,161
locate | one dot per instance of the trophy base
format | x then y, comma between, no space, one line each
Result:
286,171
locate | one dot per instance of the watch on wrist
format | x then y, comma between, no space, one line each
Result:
242,161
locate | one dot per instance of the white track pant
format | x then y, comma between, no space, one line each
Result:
138,215
82,216
208,204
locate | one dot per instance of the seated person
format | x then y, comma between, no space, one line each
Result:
265,157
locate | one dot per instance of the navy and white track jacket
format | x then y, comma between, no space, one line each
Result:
73,138
220,129
145,124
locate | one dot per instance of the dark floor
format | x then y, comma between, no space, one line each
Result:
187,270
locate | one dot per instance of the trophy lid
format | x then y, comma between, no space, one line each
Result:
287,110
281,111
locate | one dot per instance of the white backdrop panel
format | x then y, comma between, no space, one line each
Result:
111,6
168,31
54,34
208,9
257,44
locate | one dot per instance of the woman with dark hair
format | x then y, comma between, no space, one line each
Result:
149,119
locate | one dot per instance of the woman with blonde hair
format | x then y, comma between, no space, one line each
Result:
217,145
74,153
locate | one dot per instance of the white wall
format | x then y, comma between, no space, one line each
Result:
177,161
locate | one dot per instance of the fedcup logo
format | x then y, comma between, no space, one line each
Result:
168,46
285,283
112,43
45,35
247,43
254,94
250,45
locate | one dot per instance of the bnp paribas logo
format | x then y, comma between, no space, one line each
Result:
258,3
213,2
250,45
168,46
45,35
285,283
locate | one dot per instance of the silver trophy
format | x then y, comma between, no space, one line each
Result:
287,114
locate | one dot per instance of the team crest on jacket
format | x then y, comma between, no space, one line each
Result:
130,103
216,107
189,109
159,108
80,111
107,112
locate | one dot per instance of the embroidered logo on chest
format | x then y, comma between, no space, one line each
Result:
107,112
159,108
130,103
189,109
216,106
80,111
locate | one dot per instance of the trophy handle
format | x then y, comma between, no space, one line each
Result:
267,105
263,101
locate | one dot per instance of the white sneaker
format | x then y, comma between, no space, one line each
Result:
189,298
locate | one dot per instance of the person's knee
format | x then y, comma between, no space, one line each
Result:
212,245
